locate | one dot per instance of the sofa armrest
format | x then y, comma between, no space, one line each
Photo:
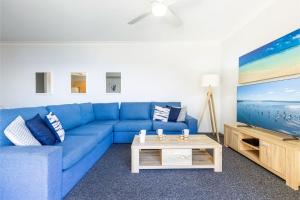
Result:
31,172
192,124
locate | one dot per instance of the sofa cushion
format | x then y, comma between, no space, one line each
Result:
107,122
87,113
135,111
169,126
163,104
99,130
106,111
133,125
75,147
8,115
68,114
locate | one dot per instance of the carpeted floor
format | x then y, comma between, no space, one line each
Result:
112,179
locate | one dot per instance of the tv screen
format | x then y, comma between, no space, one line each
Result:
272,105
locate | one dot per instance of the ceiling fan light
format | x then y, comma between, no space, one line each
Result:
159,9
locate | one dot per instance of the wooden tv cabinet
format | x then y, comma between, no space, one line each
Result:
271,152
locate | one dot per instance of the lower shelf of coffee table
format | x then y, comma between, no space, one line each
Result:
152,159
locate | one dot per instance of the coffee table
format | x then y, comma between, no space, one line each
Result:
175,153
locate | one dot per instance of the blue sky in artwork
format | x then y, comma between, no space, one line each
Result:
284,90
288,41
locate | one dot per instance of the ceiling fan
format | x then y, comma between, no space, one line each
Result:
159,8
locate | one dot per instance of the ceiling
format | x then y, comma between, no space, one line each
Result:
106,20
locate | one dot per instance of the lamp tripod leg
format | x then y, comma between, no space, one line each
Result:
213,116
203,111
210,115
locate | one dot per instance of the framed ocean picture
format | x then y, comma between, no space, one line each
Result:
276,59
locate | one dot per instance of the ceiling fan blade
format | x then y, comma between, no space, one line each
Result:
178,21
169,2
138,18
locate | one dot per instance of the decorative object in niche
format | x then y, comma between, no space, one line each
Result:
113,82
78,82
42,82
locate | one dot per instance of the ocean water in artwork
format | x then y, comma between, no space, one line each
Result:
274,105
276,59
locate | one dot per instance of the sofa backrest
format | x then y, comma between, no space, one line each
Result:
68,114
135,111
74,115
106,111
8,115
163,104
87,113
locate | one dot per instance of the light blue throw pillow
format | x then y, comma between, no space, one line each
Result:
55,126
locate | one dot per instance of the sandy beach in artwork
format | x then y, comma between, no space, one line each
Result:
275,59
277,65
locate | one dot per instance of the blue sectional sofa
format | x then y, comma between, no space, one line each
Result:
50,172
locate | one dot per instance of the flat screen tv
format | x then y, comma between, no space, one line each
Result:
271,105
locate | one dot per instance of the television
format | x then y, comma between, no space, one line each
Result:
273,105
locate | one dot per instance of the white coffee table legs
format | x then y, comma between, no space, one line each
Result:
218,159
135,159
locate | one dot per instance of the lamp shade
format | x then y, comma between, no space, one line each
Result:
212,80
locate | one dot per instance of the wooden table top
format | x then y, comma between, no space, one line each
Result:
174,141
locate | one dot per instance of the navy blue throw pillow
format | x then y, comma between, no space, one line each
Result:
40,130
174,113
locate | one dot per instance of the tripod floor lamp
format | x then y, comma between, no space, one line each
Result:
209,81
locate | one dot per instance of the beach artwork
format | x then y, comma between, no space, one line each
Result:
276,59
274,105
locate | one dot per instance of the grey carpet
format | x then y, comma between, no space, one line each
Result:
111,179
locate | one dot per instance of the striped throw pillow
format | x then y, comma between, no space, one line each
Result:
161,114
19,134
55,126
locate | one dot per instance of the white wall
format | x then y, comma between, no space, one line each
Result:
150,72
279,19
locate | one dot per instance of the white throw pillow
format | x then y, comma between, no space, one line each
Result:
19,134
161,114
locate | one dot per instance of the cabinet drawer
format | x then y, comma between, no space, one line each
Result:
265,153
278,159
272,156
176,156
